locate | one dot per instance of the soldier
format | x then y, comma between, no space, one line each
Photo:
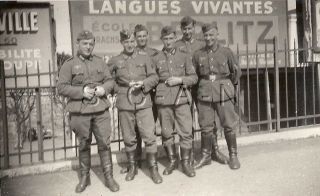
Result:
141,35
218,72
188,42
85,79
173,99
135,77
191,44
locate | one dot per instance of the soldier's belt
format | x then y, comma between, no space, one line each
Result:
214,77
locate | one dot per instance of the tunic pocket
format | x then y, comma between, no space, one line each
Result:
181,70
141,70
77,76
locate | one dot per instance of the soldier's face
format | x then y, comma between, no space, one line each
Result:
211,37
169,40
142,38
187,31
129,44
85,47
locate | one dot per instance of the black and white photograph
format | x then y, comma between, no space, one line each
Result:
160,97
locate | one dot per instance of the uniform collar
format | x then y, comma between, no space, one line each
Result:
84,58
126,56
172,52
212,48
188,41
141,48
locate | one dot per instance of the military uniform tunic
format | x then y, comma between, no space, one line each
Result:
190,46
87,116
168,64
151,52
135,67
218,72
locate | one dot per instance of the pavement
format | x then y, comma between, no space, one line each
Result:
284,163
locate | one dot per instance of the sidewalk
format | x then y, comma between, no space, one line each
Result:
120,157
279,168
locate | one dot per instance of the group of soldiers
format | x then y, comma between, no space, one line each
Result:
150,85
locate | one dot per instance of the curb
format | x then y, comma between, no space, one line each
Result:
120,156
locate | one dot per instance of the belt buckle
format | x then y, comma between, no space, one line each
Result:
212,77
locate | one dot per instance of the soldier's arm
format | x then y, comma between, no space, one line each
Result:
112,70
235,71
152,77
64,83
191,77
108,81
195,62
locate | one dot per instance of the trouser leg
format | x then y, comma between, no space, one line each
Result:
229,121
101,128
81,125
207,125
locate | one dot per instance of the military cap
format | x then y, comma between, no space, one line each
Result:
125,34
186,21
140,27
85,34
208,26
167,30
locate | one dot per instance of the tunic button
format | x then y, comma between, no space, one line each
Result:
170,61
211,59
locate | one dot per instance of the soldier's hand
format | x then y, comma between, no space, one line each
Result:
99,91
88,92
173,81
138,84
132,83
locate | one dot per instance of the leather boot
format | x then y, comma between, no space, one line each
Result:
106,163
132,168
85,164
153,167
206,149
216,155
232,147
173,163
185,162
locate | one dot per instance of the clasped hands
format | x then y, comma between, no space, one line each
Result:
89,93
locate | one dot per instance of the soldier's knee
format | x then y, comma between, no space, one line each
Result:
103,147
84,145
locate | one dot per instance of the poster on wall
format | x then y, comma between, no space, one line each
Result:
26,43
241,23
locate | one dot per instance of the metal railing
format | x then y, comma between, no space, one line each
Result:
271,96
